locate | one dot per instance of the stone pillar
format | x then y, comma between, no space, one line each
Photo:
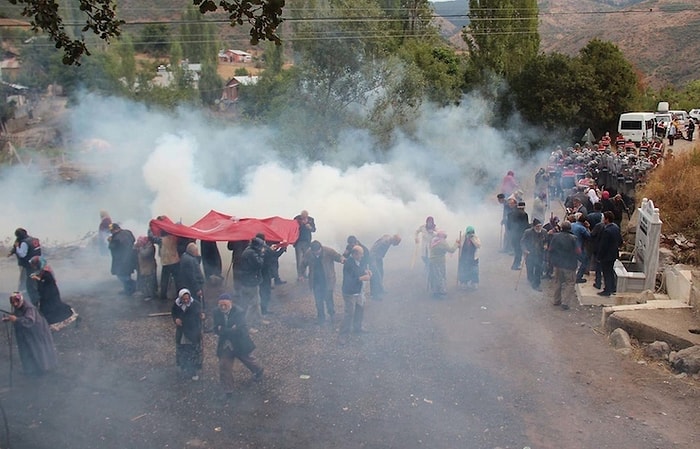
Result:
647,242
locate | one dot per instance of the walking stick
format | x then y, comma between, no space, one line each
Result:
520,273
9,345
459,255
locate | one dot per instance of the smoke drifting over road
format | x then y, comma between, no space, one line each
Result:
182,165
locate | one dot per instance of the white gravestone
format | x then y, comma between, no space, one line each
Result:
646,243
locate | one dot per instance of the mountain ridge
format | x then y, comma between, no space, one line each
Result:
659,37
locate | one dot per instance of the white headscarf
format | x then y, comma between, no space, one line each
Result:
178,301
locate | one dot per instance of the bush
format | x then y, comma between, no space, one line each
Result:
674,188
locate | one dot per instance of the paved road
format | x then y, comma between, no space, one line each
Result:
496,368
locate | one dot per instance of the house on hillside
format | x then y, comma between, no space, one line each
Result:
231,56
230,93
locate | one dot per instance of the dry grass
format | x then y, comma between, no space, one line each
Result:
674,188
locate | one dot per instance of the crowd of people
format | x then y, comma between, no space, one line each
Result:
565,251
588,239
188,269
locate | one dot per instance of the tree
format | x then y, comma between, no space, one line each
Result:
210,84
127,61
155,39
441,69
615,82
502,35
549,90
263,17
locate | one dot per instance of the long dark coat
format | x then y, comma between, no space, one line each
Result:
190,276
50,304
34,340
121,245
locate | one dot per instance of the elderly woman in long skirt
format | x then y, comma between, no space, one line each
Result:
437,283
468,269
34,340
187,316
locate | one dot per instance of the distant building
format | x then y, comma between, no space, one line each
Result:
164,76
231,56
230,92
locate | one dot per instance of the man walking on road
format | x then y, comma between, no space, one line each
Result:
608,252
563,252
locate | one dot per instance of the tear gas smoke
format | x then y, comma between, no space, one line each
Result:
146,163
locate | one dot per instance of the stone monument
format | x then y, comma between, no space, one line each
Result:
639,274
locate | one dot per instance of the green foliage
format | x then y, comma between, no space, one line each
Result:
36,60
267,99
127,61
98,73
555,102
571,94
155,40
262,16
397,105
241,71
502,36
210,84
613,80
198,37
440,67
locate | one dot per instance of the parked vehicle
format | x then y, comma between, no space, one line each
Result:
637,126
665,118
681,116
694,114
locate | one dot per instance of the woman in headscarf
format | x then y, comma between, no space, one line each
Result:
34,340
424,236
50,304
437,283
468,270
187,316
146,281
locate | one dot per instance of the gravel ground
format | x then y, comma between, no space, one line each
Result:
495,368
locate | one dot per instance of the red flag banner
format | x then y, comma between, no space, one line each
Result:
218,227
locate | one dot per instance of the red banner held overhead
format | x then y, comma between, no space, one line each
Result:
218,227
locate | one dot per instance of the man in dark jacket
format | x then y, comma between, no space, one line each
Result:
518,222
608,252
354,274
321,261
121,245
563,253
190,275
248,271
532,243
267,272
307,225
234,342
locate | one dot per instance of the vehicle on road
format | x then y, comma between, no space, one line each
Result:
694,114
637,126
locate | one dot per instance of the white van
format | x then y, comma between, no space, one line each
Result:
637,126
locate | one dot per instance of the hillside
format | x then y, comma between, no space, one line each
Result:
658,36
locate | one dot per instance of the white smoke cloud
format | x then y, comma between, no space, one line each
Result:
147,163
